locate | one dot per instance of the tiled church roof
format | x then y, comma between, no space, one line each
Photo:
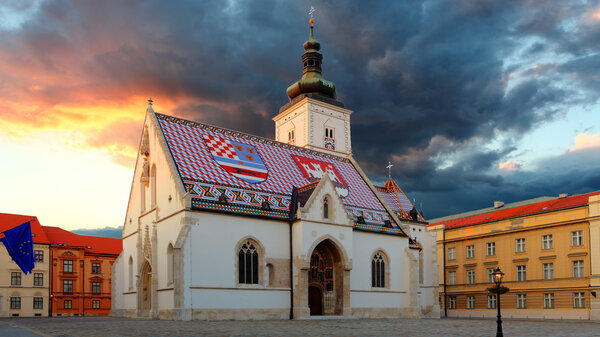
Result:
397,200
236,172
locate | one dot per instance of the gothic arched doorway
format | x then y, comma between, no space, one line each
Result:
325,280
146,277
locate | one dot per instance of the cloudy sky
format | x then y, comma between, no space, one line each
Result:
472,101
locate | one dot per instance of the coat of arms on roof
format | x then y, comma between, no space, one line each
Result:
314,169
238,159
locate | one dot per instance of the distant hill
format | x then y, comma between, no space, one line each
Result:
106,232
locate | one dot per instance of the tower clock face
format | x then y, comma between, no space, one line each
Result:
330,143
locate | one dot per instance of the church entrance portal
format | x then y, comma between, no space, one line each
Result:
146,287
325,280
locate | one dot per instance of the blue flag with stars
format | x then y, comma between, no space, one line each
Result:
19,244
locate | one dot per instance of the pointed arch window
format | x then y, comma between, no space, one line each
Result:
170,267
378,271
248,263
130,273
326,208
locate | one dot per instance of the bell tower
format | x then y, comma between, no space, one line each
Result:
314,118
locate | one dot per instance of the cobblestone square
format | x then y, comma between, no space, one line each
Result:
108,326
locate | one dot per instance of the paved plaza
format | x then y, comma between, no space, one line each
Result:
108,326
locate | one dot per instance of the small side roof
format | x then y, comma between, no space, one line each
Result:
98,245
532,208
8,221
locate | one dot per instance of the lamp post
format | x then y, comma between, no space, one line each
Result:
498,275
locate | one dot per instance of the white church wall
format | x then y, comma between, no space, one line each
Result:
363,295
324,115
293,119
214,238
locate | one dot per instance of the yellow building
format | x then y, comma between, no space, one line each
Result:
24,295
548,249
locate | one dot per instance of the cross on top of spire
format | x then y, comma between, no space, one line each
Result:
389,167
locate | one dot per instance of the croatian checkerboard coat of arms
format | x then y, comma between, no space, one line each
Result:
238,159
314,169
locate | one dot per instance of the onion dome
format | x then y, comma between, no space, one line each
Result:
312,84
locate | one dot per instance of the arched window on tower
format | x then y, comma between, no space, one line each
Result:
378,271
153,186
326,208
130,273
248,257
170,267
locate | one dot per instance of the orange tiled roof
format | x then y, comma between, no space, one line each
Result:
8,221
96,244
538,207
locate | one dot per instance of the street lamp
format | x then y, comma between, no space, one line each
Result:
498,275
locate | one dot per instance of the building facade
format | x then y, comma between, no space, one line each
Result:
24,295
225,225
548,248
81,272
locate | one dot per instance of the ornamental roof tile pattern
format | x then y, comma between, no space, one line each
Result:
96,244
392,194
213,162
8,221
534,208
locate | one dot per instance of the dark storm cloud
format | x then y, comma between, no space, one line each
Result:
428,81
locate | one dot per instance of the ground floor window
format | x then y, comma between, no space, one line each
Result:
470,302
38,302
68,304
95,304
549,301
521,301
578,300
15,303
452,304
491,301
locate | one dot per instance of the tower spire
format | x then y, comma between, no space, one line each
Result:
312,84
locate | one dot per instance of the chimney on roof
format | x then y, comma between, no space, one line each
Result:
498,204
563,195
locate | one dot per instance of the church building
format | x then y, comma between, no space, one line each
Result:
226,225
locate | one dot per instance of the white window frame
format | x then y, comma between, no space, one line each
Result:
548,271
452,302
452,277
579,300
547,241
471,276
520,245
577,267
470,251
452,253
522,273
491,248
470,302
549,301
491,301
490,275
521,301
577,238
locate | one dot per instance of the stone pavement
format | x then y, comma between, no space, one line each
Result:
109,326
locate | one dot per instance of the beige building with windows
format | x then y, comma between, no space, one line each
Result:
548,248
24,295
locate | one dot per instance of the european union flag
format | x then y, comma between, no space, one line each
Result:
19,244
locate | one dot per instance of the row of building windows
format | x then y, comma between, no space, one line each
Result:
578,301
68,287
68,267
15,279
15,303
547,243
547,272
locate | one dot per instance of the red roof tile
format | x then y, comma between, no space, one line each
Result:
8,221
98,245
539,207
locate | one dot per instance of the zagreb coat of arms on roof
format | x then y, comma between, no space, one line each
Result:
314,169
238,159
